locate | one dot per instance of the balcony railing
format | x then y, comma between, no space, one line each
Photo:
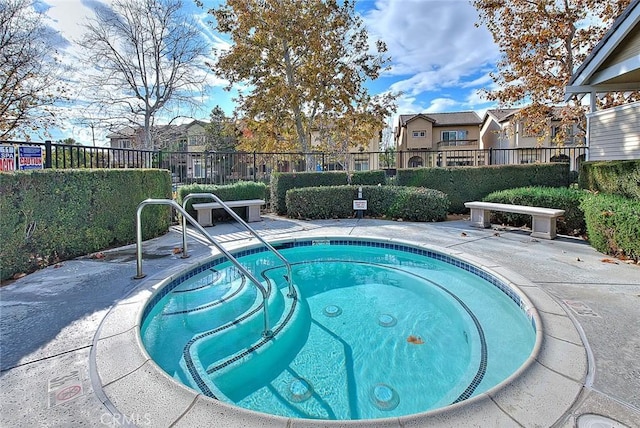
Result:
457,143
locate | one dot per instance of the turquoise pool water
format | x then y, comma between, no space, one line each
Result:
376,331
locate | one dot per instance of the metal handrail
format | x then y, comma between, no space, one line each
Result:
239,219
267,331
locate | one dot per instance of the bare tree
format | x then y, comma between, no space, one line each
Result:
142,56
30,74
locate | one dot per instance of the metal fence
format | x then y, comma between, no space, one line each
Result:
228,167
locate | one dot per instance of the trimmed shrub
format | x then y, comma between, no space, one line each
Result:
411,204
53,215
464,184
613,177
281,182
229,192
321,202
613,224
368,178
572,223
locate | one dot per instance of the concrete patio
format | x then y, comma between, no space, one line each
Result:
49,320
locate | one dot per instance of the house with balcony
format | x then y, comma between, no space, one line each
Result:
612,66
438,139
183,146
507,136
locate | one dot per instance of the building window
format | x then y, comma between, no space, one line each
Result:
361,164
568,137
197,140
455,138
124,143
419,134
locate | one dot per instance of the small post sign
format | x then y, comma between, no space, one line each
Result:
360,204
29,157
7,158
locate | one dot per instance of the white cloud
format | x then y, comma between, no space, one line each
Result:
440,59
433,42
443,104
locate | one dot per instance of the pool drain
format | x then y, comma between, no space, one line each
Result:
332,311
385,397
590,420
300,390
386,320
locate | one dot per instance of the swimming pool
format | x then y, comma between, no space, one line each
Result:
379,329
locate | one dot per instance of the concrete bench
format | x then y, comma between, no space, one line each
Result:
204,210
543,224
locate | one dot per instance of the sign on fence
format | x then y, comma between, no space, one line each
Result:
29,157
7,158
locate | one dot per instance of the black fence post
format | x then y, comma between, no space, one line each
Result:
490,155
255,167
47,154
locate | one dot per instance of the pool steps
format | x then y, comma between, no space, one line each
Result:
222,345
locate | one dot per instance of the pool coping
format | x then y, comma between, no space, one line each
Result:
539,393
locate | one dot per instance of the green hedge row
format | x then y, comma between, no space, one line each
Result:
613,177
613,224
464,184
53,215
281,182
572,223
228,192
411,204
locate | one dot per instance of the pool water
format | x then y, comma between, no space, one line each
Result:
373,333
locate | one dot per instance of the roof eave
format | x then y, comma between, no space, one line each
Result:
621,27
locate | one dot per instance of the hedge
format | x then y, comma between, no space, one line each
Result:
568,199
464,184
281,182
613,224
613,177
53,215
411,204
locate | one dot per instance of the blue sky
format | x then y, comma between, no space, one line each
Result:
440,59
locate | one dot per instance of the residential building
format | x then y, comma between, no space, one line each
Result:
187,137
506,134
612,66
354,158
437,139
124,138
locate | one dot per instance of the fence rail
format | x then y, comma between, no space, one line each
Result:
228,167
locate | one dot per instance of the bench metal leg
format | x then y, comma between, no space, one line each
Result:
480,218
543,227
204,217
